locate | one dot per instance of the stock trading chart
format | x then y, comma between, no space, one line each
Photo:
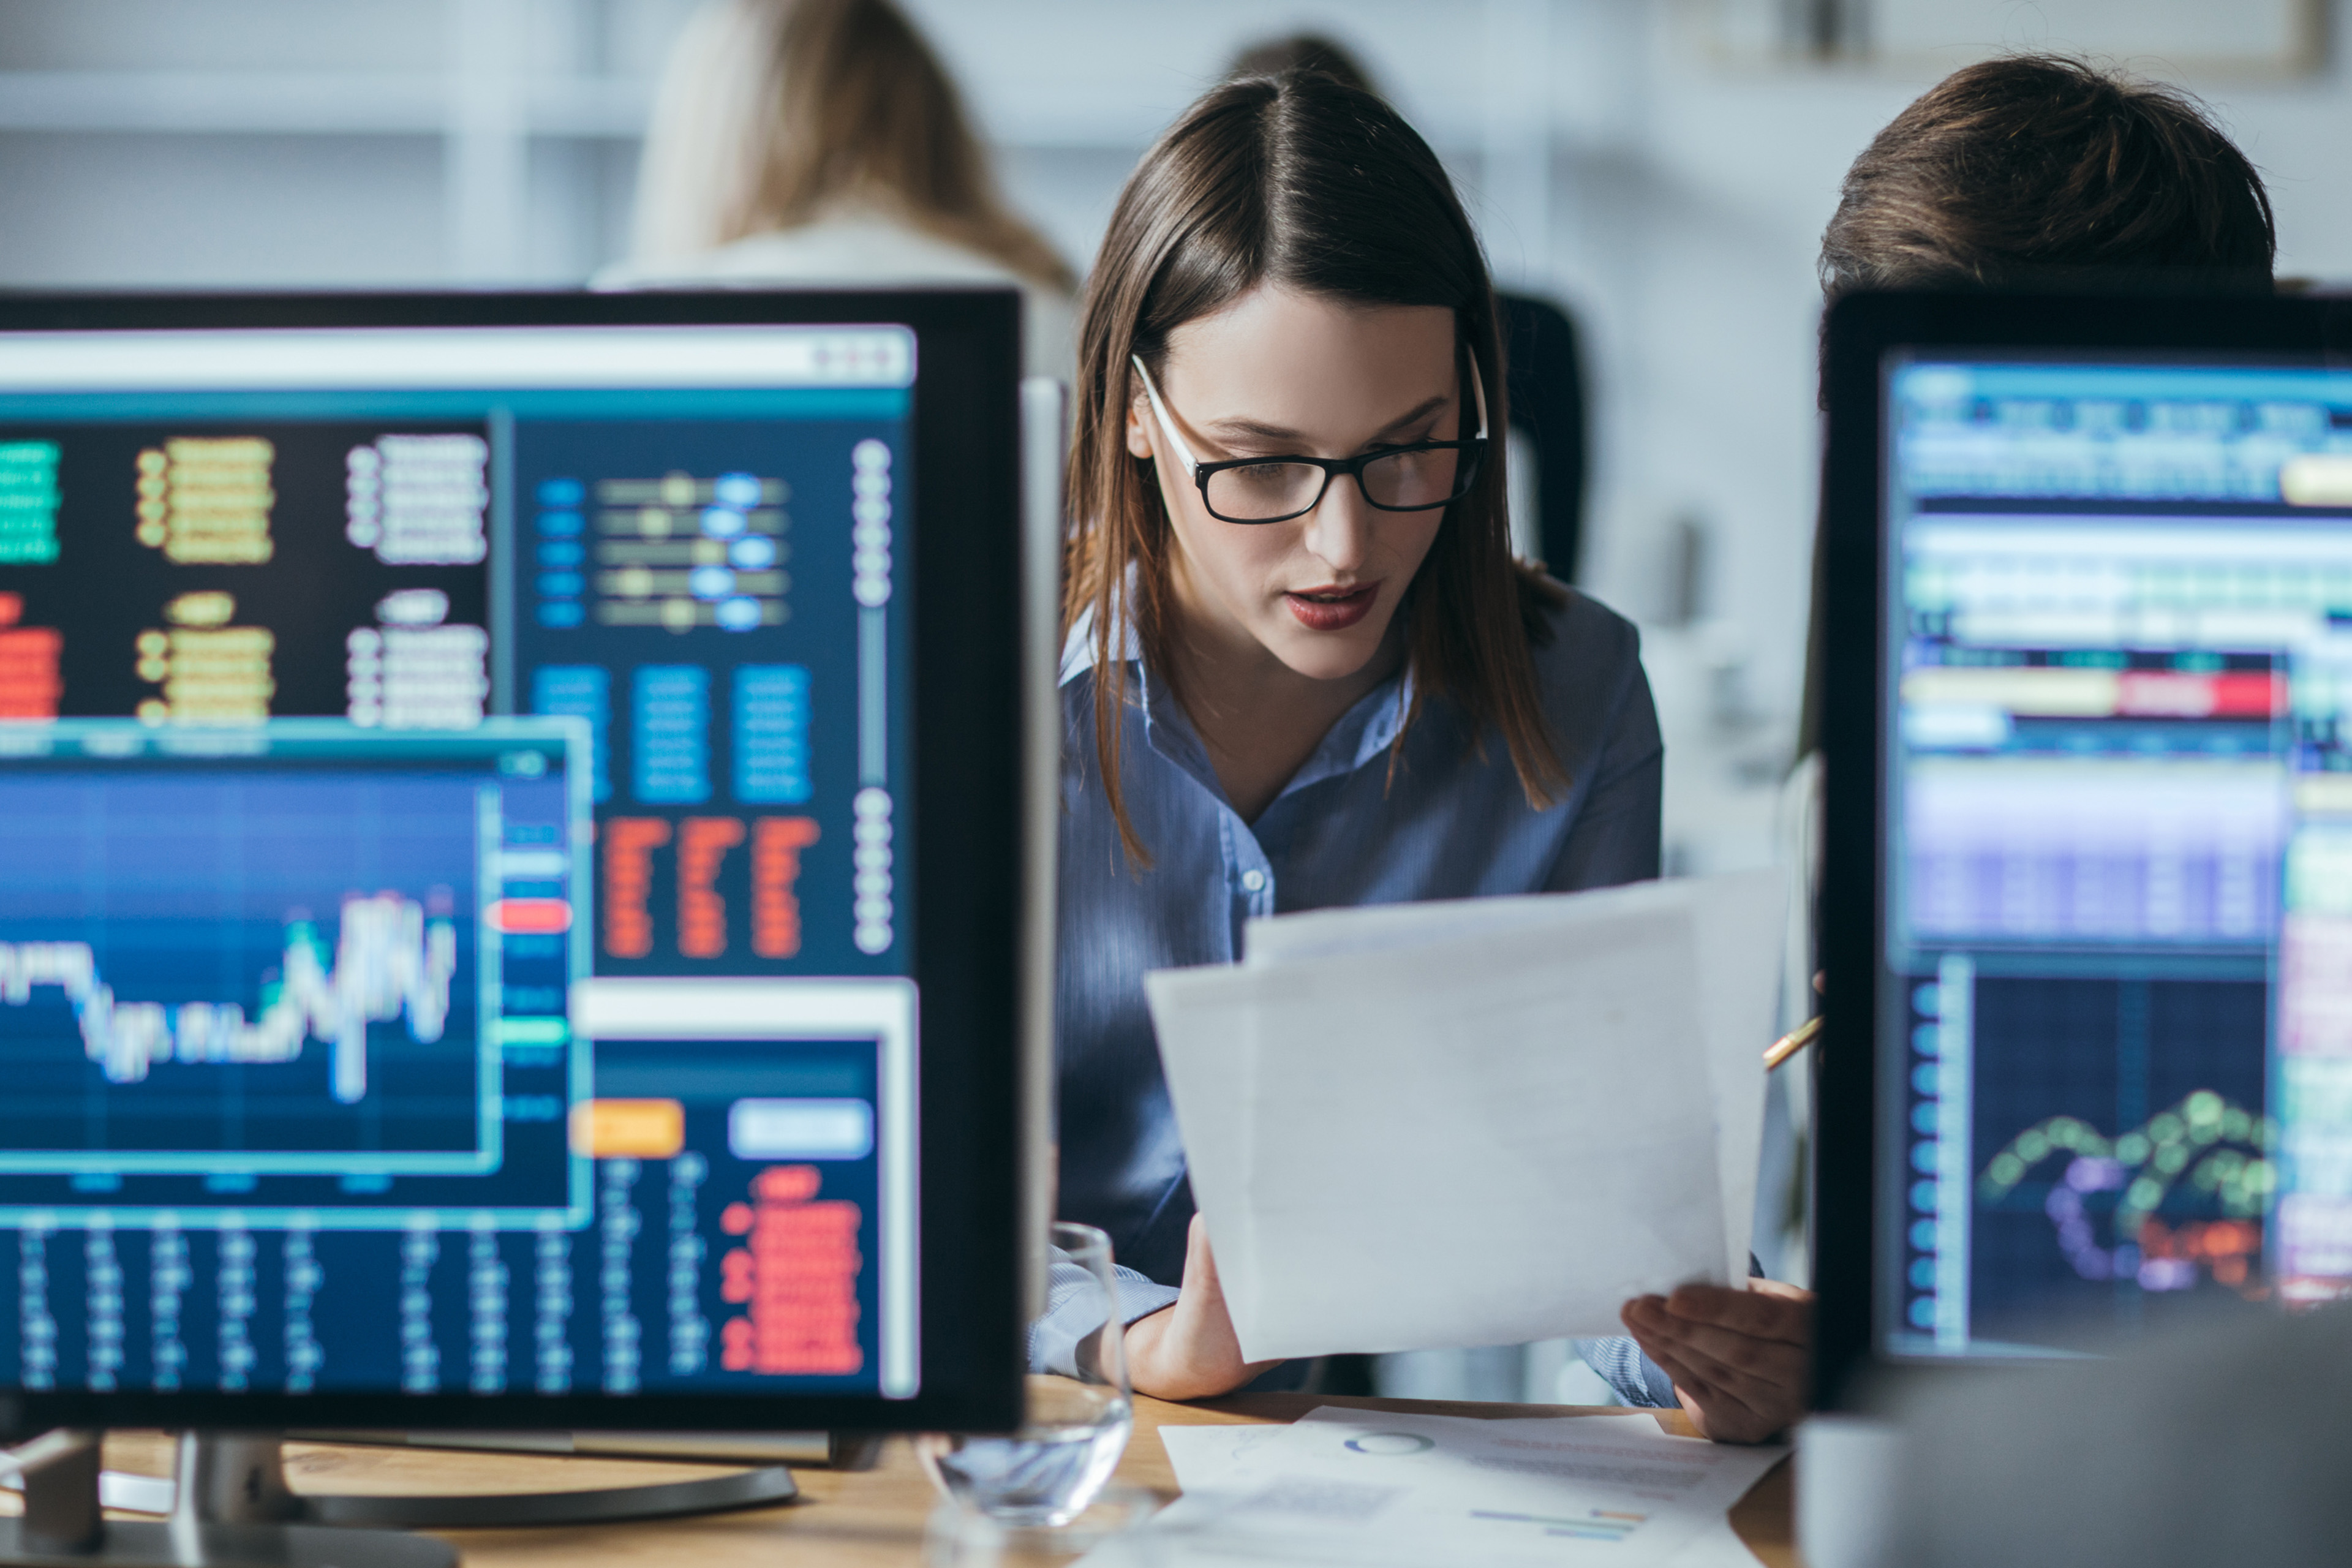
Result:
2122,796
278,977
299,928
655,559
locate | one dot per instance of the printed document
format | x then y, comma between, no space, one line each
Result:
1377,1487
1481,1121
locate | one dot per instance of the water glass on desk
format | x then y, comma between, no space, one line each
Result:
1051,1469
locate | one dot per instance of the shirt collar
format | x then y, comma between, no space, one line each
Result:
1362,733
1079,647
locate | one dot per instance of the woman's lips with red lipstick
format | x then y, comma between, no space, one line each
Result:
1332,609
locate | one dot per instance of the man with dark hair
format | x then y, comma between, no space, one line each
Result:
2039,172
2028,170
2031,172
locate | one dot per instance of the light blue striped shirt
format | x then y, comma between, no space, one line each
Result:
1448,821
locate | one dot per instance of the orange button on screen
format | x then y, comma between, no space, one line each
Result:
628,1129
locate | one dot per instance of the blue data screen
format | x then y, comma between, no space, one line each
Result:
454,934
2119,1036
714,600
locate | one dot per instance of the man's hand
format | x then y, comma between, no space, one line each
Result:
1188,1351
1741,1359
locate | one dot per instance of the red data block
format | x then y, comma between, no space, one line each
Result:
797,1275
785,1184
30,687
530,916
2180,694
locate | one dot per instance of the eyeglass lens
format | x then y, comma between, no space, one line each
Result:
1400,482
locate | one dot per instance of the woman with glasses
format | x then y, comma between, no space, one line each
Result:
1302,670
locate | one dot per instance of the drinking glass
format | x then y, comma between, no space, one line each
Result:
1111,1534
1047,1472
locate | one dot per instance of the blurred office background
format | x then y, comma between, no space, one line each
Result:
1662,168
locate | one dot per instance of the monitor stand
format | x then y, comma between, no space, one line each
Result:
232,1509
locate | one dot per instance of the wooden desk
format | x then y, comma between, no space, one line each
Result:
846,1519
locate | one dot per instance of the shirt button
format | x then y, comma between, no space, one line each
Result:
1253,879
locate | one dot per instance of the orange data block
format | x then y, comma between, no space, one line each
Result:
776,845
702,845
628,844
628,1129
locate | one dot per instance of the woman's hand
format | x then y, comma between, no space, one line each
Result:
1741,1359
1188,1351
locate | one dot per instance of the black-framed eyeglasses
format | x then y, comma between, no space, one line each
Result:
1414,478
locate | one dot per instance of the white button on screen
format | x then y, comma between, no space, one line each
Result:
1253,879
799,1128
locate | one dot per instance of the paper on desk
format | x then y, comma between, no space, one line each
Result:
1216,1459
1358,1487
1477,1122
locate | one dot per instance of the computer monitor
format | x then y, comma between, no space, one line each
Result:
512,862
2088,910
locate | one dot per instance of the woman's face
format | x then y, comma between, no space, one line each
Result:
1279,372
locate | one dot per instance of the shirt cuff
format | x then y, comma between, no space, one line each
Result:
1066,1336
1639,1380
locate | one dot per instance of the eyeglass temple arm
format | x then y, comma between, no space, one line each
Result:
1167,426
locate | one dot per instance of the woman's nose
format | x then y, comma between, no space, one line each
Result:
1339,529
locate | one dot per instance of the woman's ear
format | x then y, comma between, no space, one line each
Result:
1139,428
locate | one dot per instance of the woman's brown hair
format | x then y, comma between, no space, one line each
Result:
785,107
1301,182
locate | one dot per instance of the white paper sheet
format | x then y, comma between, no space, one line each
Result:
1356,1487
1739,979
1741,927
1468,1141
1476,1122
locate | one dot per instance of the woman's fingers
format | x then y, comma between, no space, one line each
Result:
1736,1351
1717,1412
1726,1357
1761,1385
1758,1381
1767,1310
1741,1386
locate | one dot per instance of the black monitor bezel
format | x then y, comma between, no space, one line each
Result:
1859,334
969,860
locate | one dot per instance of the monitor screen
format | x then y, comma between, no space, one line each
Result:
458,800
2115,1017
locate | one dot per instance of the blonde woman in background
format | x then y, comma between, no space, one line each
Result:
819,142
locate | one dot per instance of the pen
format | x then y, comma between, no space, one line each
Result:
1790,1044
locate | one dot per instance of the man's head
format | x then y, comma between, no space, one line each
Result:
2031,169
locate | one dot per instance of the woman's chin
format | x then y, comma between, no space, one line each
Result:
1327,656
